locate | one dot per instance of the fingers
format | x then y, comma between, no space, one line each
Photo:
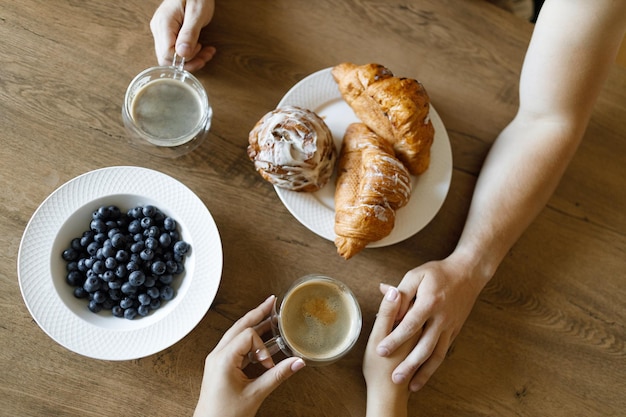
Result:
244,343
410,326
387,313
197,15
429,367
251,319
164,27
204,55
271,379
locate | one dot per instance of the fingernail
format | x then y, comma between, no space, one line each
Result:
297,365
261,355
392,294
415,387
382,351
398,378
183,49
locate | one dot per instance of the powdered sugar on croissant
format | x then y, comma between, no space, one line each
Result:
293,148
371,185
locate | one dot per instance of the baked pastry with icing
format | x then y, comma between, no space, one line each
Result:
371,185
395,108
293,148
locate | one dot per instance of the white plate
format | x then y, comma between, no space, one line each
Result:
319,92
65,214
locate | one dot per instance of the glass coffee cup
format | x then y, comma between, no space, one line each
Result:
166,110
318,319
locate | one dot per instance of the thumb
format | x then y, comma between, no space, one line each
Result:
196,17
275,376
387,314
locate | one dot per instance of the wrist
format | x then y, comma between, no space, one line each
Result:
387,403
477,265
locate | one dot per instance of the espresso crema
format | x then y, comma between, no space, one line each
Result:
319,320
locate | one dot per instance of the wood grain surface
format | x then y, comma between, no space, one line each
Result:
546,336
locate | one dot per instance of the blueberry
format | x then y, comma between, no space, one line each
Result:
121,256
134,227
98,226
108,276
130,313
149,210
108,303
152,243
165,240
137,247
110,263
167,293
70,254
172,267
166,279
144,299
126,303
181,247
75,278
117,311
104,212
91,284
147,222
169,224
81,265
118,240
92,248
132,266
94,307
143,310
153,292
108,251
150,281
136,278
158,268
128,289
155,303
99,296
80,292
147,254
75,244
121,271
115,294
86,240
100,238
136,213
116,284
153,231
98,267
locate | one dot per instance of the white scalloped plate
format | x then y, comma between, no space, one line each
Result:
65,214
316,211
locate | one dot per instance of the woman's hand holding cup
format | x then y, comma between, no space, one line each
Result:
226,389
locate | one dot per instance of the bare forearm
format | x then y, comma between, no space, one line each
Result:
563,73
520,174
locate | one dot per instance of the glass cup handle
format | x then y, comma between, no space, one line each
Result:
273,345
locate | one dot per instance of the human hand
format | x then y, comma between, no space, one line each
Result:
384,398
226,390
437,298
176,26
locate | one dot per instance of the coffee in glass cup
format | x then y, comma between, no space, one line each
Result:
318,319
166,110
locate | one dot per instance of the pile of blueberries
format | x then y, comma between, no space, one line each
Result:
126,262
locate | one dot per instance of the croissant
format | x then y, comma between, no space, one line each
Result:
395,108
371,185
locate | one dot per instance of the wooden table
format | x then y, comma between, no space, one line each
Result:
547,334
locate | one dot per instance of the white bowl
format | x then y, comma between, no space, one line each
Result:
66,214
